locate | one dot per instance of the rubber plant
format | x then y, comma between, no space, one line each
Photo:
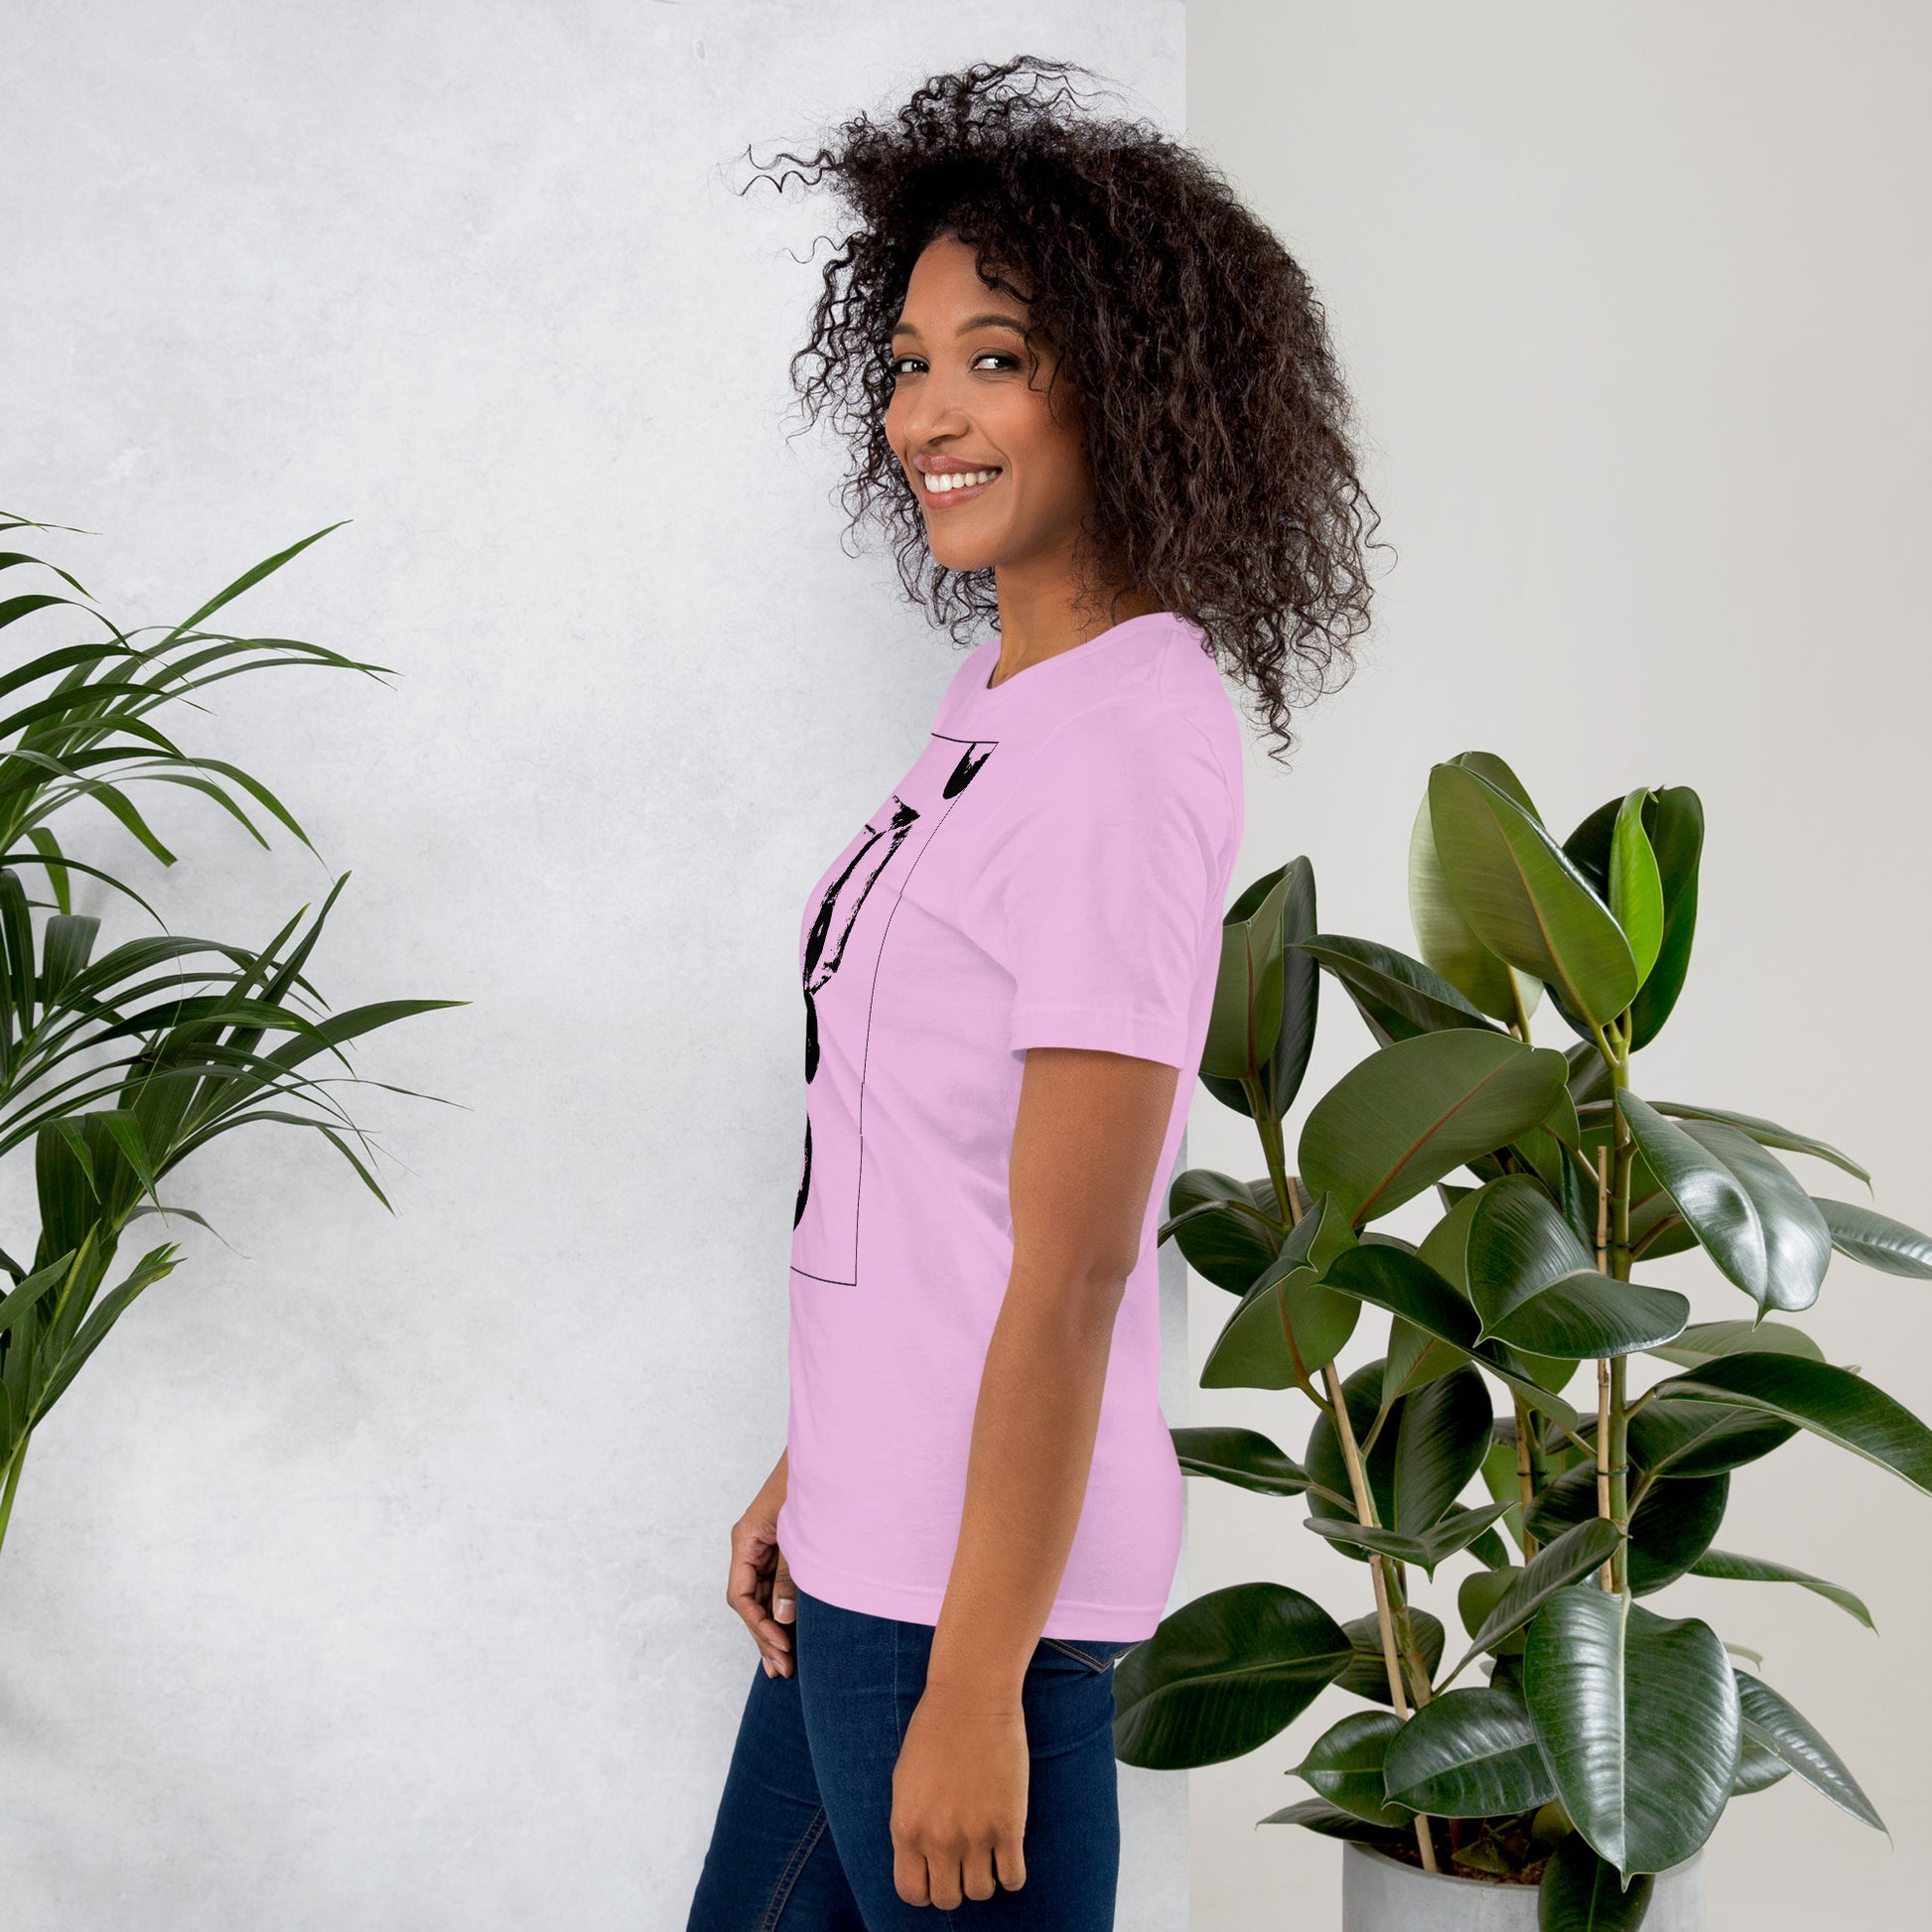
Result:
117,1064
1604,1738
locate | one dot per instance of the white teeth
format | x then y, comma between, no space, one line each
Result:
945,480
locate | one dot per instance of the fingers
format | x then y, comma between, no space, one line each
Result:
1010,1862
748,1590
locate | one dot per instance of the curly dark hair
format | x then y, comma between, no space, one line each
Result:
1216,419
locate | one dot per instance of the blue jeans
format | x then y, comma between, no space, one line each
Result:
803,1837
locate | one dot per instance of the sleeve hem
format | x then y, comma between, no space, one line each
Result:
1100,1028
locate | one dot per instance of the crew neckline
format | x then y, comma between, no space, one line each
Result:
991,693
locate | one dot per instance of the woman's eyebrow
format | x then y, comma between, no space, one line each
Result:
972,322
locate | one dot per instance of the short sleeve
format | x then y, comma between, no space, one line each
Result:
1110,879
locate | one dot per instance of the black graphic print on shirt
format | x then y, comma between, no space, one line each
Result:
839,967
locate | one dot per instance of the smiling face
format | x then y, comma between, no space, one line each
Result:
1000,473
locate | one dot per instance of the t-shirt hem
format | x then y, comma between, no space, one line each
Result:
912,1604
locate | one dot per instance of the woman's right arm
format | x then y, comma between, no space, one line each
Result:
759,1588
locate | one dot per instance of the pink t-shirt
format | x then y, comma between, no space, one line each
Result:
1052,872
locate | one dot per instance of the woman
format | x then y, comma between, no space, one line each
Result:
1091,400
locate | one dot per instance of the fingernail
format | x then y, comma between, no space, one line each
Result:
785,1608
768,1671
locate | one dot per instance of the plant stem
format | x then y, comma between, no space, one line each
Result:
1525,1476
1614,1415
13,1483
1384,1611
1608,1575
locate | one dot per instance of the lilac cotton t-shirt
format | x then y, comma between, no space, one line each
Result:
1052,872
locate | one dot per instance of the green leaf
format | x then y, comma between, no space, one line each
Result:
1362,1393
1344,1764
1418,1110
1773,1722
1831,1401
1578,1552
1444,939
1367,1675
1454,1534
1702,1439
1441,1441
1470,1753
1524,898
1406,1286
1246,1018
1401,996
1753,1220
1722,1563
1639,1716
1876,1240
1766,1132
1706,1341
1288,1299
1582,1893
1636,889
1242,1456
1670,1529
1674,823
1759,1767
1318,1815
1222,1675
1228,1245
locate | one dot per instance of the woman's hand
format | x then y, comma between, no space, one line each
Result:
959,1797
760,1587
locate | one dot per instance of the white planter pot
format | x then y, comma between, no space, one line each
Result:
1382,1894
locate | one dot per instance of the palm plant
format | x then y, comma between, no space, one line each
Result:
116,1065
1607,1738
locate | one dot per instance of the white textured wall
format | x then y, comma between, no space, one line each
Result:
1636,302
372,1574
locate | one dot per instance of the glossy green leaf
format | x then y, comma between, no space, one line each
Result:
1876,1240
1831,1401
1702,1439
1242,1456
1287,1314
1442,1440
1674,823
1759,1767
1706,1341
1406,1286
1580,1892
1275,912
1774,1724
1418,1110
1729,1568
1367,1675
1524,898
1751,1217
1766,1132
1362,1393
1639,1716
1344,1765
1445,937
1672,1526
1637,895
1222,1675
1318,1815
1454,1534
1245,1021
1400,994
1470,1753
1581,1550
1221,1228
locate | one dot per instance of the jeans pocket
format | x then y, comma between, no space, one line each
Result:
1094,1655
